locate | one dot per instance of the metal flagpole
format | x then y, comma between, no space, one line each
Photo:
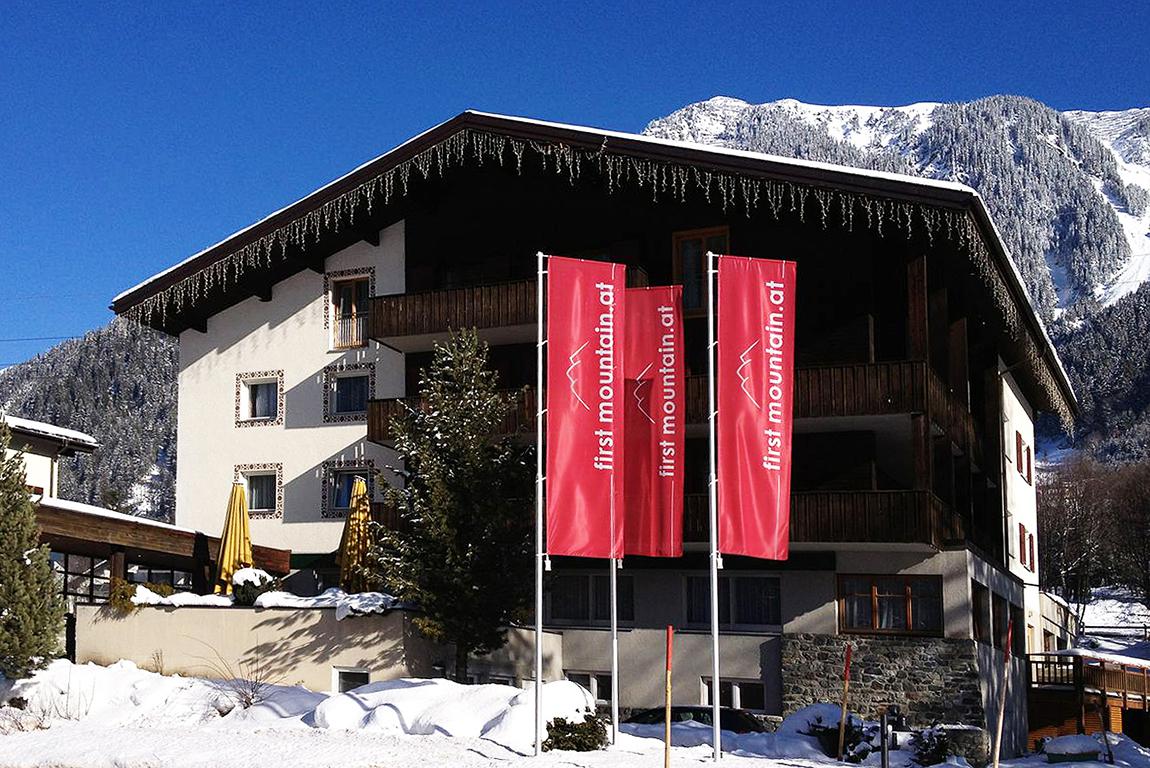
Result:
540,556
614,584
716,561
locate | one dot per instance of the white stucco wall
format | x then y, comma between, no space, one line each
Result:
1021,503
40,463
285,334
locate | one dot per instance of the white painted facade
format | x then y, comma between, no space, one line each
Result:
287,340
1021,502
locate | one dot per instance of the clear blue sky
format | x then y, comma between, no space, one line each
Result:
132,135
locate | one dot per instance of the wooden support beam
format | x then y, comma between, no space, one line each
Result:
371,237
917,322
921,444
264,292
316,264
199,324
959,368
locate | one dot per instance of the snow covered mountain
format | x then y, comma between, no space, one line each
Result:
1068,190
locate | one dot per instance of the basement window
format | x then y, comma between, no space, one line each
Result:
346,679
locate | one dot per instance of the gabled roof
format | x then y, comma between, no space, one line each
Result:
592,144
67,438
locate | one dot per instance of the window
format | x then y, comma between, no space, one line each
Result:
347,388
744,601
1022,458
351,394
350,302
261,490
81,578
583,598
181,581
347,679
740,694
262,400
598,683
980,611
1026,549
259,398
999,621
892,604
690,263
341,485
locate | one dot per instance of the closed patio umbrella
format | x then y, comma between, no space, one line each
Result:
235,542
356,540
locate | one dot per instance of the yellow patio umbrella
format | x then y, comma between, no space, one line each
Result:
235,542
356,540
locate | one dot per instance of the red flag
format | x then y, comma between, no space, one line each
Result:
653,420
584,407
756,315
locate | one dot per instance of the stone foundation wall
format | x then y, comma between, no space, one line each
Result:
932,679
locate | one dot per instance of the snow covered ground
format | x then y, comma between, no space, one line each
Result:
124,717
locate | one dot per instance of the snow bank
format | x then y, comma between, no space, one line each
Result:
145,596
801,720
696,734
354,604
1073,745
498,713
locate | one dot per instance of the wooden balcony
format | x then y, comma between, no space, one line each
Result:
865,389
520,418
902,517
435,313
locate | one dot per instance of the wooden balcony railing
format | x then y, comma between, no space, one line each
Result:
520,418
1127,685
911,517
350,331
485,306
865,389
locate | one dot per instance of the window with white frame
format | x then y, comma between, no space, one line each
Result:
261,491
598,683
350,393
582,598
740,694
744,601
259,398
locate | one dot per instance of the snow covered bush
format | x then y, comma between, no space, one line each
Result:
587,736
250,583
121,592
856,741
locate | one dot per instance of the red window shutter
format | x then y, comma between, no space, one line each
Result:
1033,563
1018,451
1022,545
1029,468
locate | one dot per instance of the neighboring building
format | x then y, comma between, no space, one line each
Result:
91,545
921,367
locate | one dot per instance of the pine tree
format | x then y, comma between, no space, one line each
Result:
31,610
462,549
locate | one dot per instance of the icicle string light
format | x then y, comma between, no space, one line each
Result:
618,171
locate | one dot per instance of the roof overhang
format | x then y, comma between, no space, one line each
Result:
712,166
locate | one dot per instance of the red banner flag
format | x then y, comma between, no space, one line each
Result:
584,407
654,422
756,315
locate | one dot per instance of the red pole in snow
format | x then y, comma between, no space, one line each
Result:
846,690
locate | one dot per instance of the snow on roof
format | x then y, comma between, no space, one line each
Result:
89,509
51,431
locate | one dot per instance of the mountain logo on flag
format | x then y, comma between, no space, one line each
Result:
574,380
745,383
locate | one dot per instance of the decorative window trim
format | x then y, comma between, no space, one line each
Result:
344,274
330,374
242,379
241,472
327,474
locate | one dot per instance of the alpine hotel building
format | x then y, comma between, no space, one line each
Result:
921,369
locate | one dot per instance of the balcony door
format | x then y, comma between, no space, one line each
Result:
350,305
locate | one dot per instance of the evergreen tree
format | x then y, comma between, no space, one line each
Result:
462,549
31,610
